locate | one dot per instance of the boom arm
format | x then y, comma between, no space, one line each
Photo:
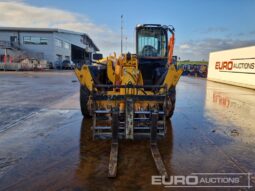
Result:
171,47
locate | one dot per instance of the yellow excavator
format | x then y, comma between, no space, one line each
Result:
131,96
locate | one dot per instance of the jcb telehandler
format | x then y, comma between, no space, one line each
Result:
131,96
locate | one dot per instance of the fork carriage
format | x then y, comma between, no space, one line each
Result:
133,120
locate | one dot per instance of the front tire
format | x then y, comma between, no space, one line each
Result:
170,107
84,98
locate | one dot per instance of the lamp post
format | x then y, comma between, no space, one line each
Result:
121,41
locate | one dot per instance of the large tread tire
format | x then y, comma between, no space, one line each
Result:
171,106
84,98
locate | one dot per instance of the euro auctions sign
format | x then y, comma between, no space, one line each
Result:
239,181
240,65
234,66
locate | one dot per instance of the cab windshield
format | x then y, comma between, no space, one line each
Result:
151,42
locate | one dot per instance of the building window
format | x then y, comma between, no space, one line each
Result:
62,44
59,57
59,43
66,45
44,41
35,40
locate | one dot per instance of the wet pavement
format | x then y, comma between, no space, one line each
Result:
45,144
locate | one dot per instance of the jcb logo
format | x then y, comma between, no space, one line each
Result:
226,65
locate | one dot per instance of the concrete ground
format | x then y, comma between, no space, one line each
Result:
45,144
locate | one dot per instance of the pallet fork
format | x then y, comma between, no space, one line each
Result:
114,147
113,161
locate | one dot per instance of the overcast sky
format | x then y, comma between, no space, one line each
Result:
201,25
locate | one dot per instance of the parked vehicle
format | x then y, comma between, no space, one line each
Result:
68,65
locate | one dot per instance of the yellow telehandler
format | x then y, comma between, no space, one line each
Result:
132,95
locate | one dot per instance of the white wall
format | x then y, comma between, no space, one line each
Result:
5,36
75,39
235,66
61,50
47,50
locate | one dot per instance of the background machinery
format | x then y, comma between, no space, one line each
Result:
132,95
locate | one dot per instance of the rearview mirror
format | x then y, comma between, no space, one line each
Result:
174,60
97,56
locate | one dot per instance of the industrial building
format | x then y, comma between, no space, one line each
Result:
49,44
